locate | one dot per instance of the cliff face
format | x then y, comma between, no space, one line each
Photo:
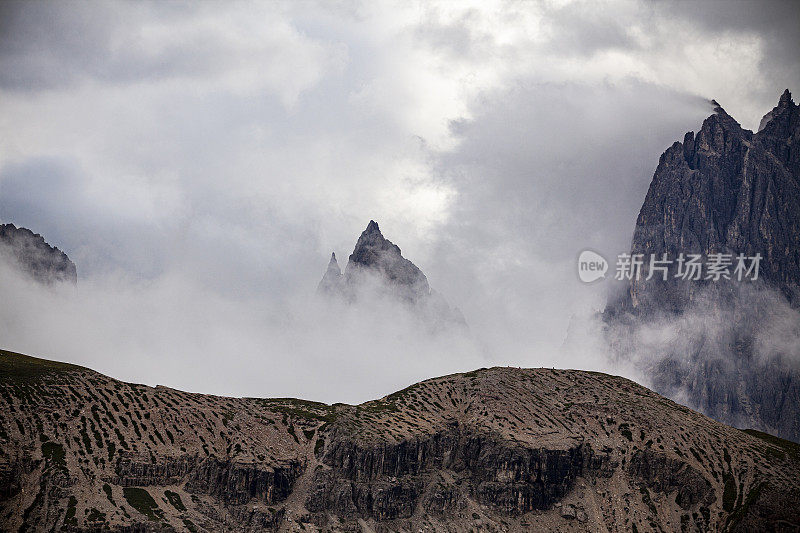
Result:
377,269
724,190
500,450
33,255
730,347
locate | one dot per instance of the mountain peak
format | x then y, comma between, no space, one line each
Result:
376,253
785,109
43,262
373,248
332,280
733,191
377,264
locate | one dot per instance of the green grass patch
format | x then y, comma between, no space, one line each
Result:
69,517
474,373
175,500
141,500
54,454
729,492
96,516
107,490
792,449
18,367
741,511
297,408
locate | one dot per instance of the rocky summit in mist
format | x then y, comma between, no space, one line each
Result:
500,449
728,348
377,269
29,252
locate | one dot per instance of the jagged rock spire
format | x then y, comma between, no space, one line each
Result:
785,104
375,253
378,267
332,280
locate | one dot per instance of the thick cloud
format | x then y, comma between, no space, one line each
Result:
544,171
200,161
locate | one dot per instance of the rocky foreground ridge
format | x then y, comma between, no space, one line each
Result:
500,449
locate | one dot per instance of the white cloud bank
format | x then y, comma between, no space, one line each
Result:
200,161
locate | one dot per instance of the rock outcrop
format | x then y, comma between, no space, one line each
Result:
501,449
31,253
724,190
374,255
377,268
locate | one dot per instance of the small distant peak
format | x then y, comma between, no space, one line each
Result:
720,118
333,263
785,104
331,281
372,227
718,108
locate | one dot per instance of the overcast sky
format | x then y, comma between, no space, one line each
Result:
200,161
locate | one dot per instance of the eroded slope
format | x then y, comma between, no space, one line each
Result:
499,449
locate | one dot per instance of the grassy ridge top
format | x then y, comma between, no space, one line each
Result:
24,367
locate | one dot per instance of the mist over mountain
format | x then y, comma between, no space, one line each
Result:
377,269
728,347
34,256
200,161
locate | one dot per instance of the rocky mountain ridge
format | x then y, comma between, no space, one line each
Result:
500,449
34,256
723,190
729,346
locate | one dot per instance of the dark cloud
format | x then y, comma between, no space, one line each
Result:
545,171
551,164
199,162
45,45
776,23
